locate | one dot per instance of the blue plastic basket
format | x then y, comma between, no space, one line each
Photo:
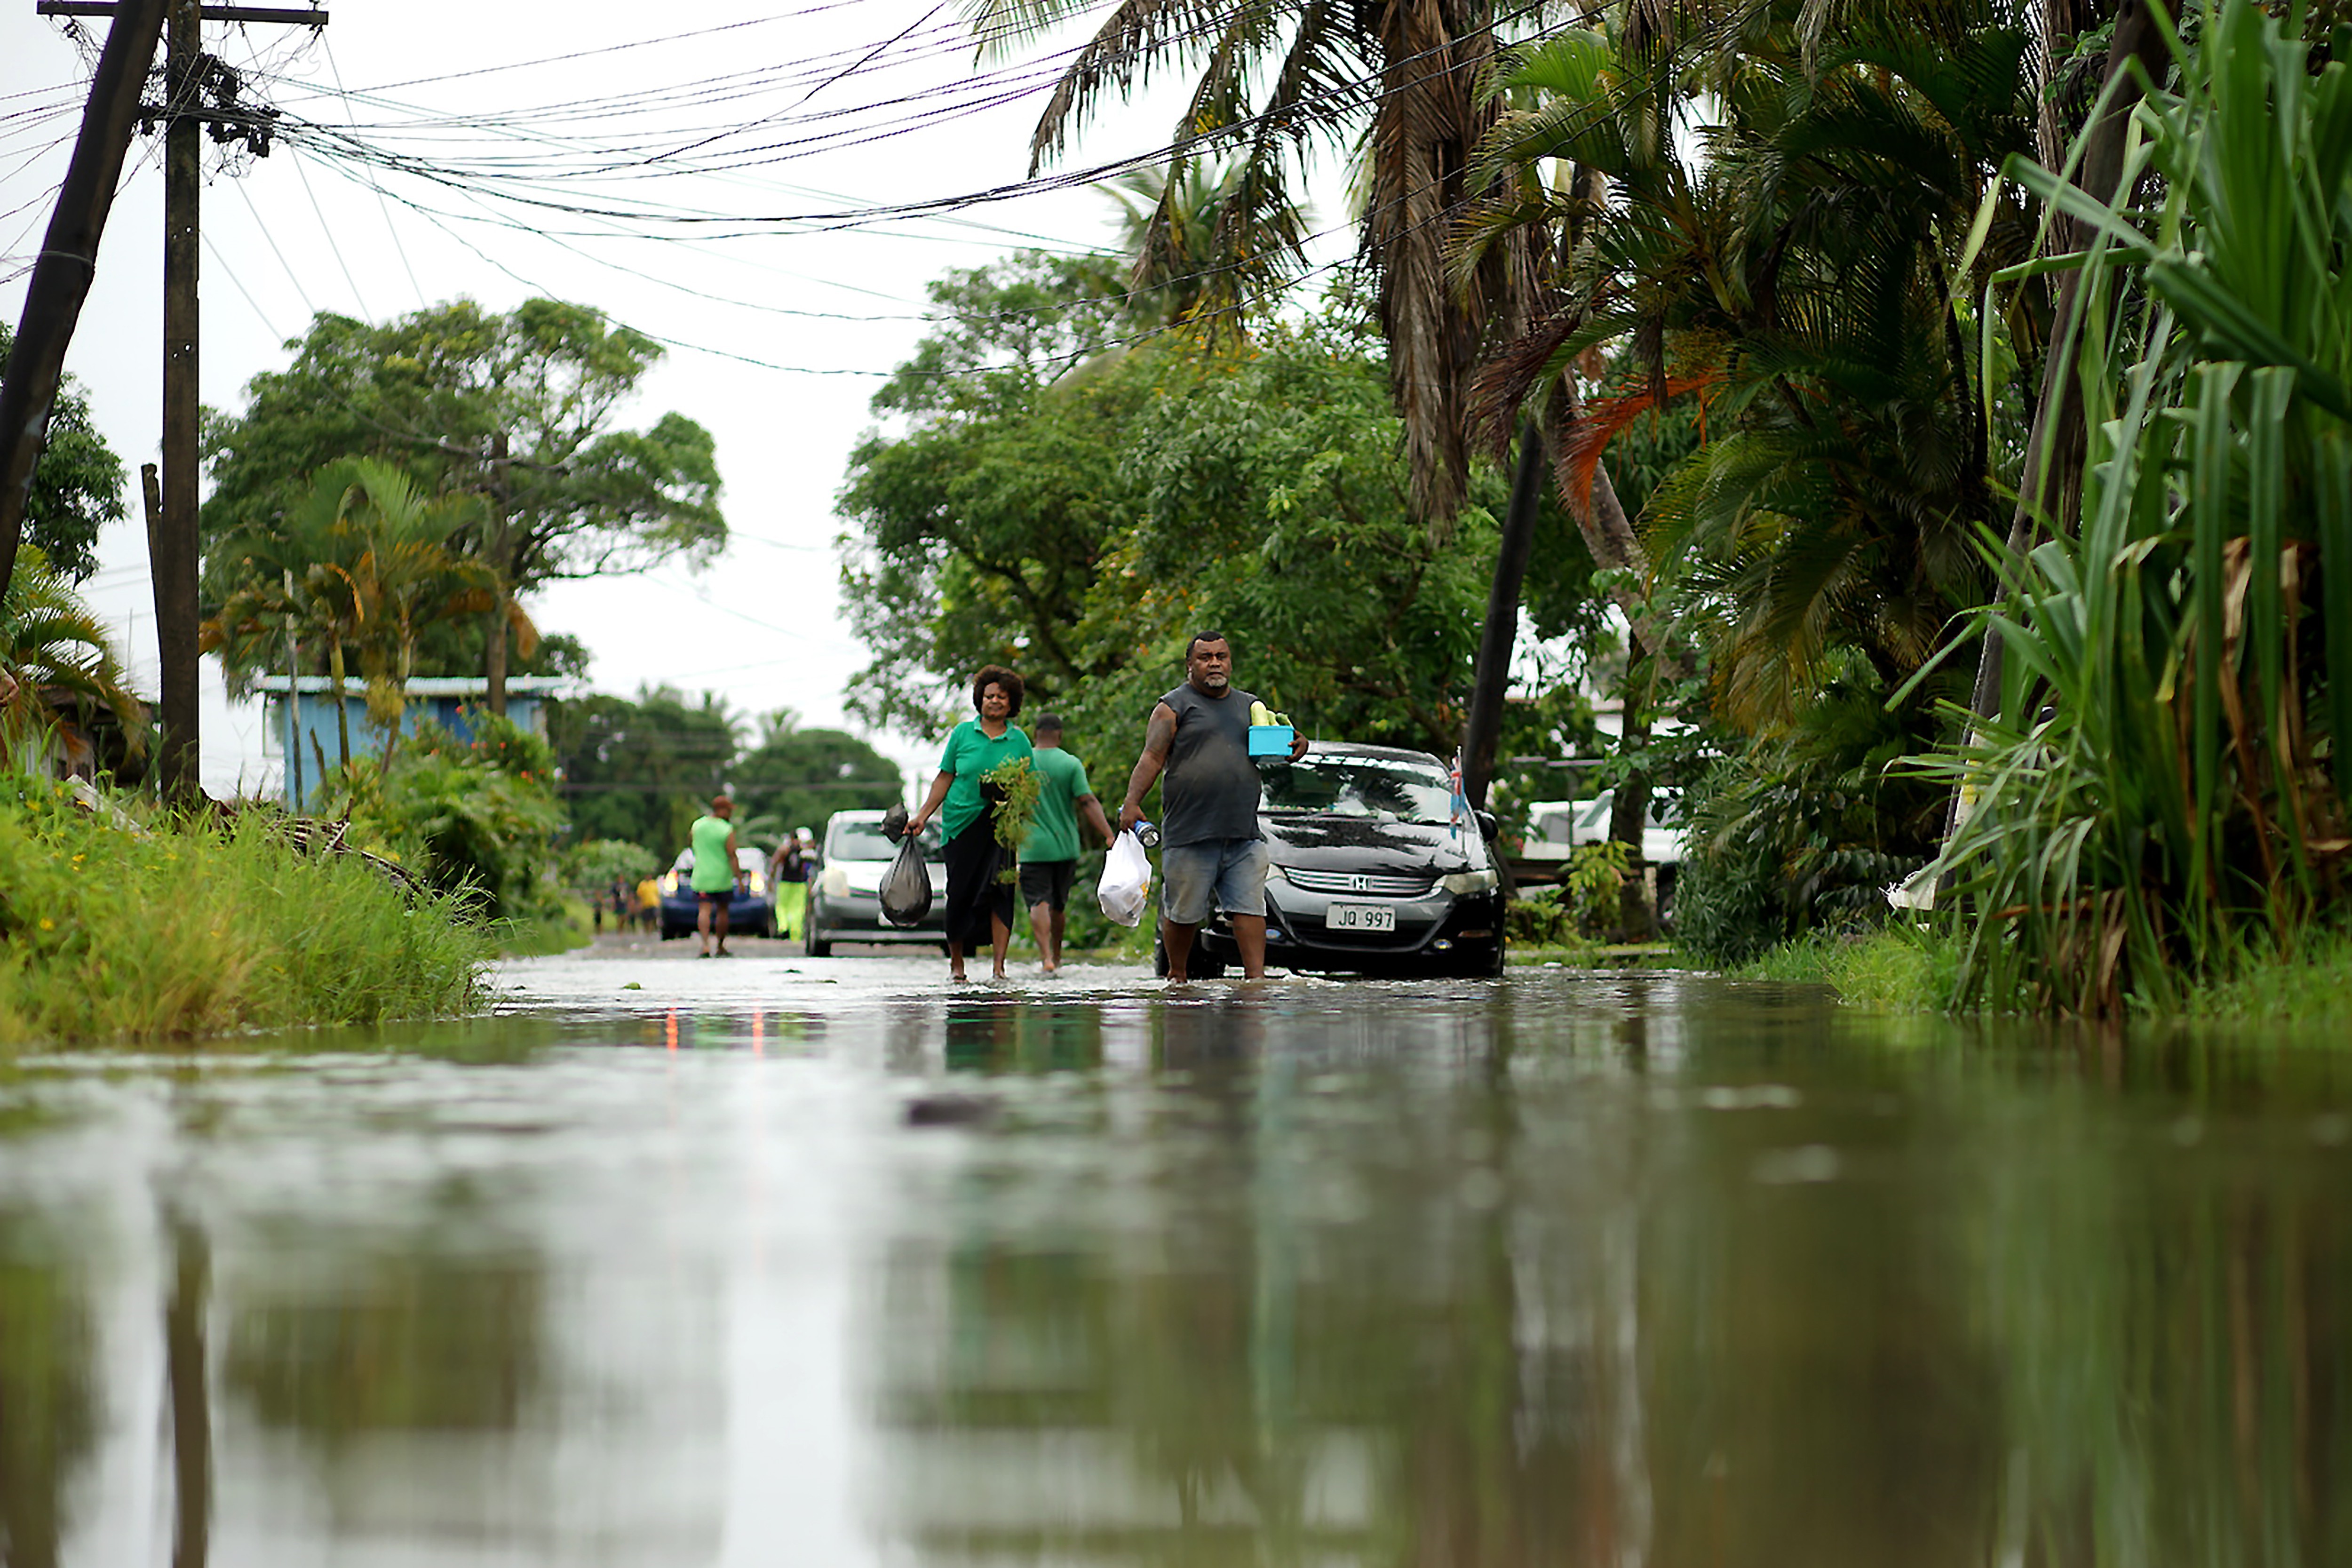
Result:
1270,740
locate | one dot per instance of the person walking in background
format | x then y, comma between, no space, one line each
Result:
715,871
788,879
1049,856
980,904
648,907
1212,854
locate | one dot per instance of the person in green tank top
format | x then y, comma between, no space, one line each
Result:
1049,856
715,871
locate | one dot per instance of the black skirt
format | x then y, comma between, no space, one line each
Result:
975,897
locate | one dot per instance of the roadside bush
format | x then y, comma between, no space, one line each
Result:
1805,830
599,863
1584,907
477,817
116,927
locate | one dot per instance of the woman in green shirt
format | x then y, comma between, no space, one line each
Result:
979,905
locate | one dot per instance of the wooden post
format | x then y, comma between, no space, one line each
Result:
494,650
172,550
68,260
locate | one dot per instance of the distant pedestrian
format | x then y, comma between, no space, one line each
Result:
1212,855
980,904
788,880
715,871
1049,856
648,908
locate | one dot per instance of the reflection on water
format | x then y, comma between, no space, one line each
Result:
1561,1271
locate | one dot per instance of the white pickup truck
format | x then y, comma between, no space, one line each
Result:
1557,826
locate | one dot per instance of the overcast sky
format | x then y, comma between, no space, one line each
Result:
780,330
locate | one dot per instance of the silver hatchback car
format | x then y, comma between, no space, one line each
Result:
845,902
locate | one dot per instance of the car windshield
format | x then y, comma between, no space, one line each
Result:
865,841
1336,785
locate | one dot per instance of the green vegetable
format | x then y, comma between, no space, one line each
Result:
1009,817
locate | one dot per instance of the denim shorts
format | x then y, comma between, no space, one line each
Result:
1228,874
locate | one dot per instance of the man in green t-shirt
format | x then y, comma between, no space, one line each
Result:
715,870
1049,856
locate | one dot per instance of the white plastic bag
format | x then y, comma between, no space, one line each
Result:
1126,885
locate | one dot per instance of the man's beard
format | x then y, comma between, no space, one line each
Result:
1215,681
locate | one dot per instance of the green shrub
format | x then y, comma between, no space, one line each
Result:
116,928
1806,828
1583,908
601,862
477,817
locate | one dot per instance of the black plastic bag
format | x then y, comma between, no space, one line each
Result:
907,885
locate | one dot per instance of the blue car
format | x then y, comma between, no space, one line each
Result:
750,912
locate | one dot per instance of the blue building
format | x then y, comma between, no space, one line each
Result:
449,702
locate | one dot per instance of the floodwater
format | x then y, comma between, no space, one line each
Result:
794,1262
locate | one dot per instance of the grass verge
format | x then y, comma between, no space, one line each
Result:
129,928
574,926
1919,972
1895,968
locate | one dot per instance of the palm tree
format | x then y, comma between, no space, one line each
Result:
55,654
1800,282
361,564
1172,226
1393,82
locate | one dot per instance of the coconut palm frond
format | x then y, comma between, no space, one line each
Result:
53,648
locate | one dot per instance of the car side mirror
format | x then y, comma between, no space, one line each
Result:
1490,824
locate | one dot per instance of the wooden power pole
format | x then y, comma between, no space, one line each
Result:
69,259
172,561
174,552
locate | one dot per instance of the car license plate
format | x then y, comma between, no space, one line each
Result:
1359,917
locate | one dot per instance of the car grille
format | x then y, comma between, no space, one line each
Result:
1371,882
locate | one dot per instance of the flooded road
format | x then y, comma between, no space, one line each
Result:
785,1261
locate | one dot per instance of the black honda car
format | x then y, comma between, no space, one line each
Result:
1373,871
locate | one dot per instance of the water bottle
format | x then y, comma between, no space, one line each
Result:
1147,835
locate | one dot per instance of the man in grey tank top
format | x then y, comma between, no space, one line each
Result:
1210,854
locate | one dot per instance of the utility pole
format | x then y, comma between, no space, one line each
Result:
190,77
494,652
68,260
293,701
173,551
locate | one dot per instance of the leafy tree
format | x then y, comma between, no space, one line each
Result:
643,769
76,484
796,778
520,409
984,520
1080,530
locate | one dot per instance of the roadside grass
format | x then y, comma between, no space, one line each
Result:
1897,968
1918,971
2311,983
132,928
573,926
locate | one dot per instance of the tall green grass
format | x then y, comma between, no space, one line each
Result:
113,928
2163,790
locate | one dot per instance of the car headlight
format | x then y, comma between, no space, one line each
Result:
1463,882
669,883
759,886
834,883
